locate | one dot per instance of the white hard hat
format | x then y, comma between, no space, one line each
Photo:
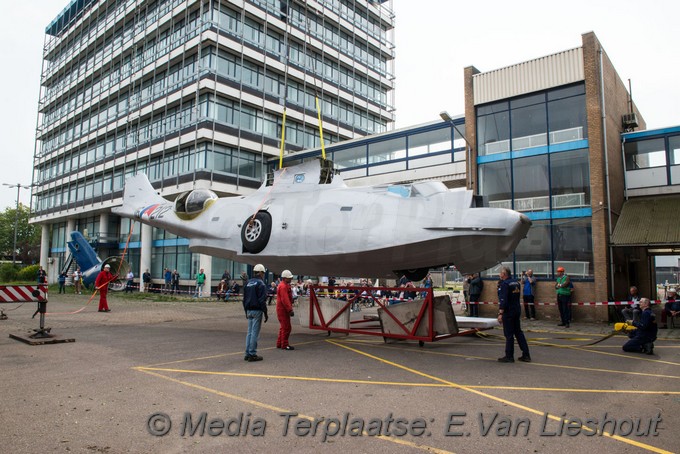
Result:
107,266
259,268
672,289
287,274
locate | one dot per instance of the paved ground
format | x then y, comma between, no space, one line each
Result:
181,360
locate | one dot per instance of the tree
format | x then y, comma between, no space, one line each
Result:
28,235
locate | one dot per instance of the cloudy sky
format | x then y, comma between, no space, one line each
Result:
435,40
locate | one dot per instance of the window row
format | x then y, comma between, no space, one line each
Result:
550,244
215,158
549,117
652,162
549,181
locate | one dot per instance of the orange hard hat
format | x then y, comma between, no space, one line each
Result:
560,269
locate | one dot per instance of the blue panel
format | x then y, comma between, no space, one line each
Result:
131,245
58,249
651,132
560,214
572,213
494,157
567,146
171,243
538,215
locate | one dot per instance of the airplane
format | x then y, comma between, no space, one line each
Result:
90,264
307,220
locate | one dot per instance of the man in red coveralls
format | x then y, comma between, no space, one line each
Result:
102,284
284,310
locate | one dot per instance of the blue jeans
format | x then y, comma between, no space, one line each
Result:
254,324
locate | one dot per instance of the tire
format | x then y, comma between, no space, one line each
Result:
255,235
414,275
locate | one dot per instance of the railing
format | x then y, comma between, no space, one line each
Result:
574,200
535,140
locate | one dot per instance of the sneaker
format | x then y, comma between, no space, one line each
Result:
255,358
505,359
246,358
560,324
524,358
648,348
290,347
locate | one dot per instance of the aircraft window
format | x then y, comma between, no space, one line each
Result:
198,200
400,190
428,188
194,202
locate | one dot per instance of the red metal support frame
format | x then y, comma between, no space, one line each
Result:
373,329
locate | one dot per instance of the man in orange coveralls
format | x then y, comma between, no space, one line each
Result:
284,310
102,284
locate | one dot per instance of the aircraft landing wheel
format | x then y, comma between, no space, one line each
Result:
256,231
414,275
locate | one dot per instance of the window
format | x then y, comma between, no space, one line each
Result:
387,150
572,246
674,150
495,183
643,154
493,130
534,251
531,183
570,178
529,126
429,142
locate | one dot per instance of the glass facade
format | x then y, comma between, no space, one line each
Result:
533,158
652,159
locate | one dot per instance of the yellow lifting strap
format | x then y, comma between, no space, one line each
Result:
318,112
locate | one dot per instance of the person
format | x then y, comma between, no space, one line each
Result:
466,289
271,293
146,278
102,284
221,291
509,315
42,276
672,307
175,282
284,310
62,282
167,274
200,282
642,339
476,286
331,286
130,281
227,277
78,281
254,304
632,311
564,289
528,291
244,279
427,283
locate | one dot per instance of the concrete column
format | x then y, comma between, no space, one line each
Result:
145,256
206,264
103,225
45,249
70,227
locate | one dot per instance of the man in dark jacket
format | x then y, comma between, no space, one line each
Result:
255,306
509,314
642,340
476,286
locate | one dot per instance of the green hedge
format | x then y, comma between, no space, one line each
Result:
12,273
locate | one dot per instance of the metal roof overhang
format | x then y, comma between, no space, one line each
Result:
649,221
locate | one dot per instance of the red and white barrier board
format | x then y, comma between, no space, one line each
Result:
22,293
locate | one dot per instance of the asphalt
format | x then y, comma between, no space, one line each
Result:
169,376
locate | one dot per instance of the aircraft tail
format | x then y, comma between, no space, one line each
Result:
138,195
90,264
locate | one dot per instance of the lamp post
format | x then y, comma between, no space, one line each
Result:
16,216
446,117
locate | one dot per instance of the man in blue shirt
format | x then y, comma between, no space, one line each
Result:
509,314
255,306
528,290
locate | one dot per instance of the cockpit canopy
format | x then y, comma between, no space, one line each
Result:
192,203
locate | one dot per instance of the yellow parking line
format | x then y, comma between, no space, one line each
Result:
392,383
281,410
533,363
497,399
